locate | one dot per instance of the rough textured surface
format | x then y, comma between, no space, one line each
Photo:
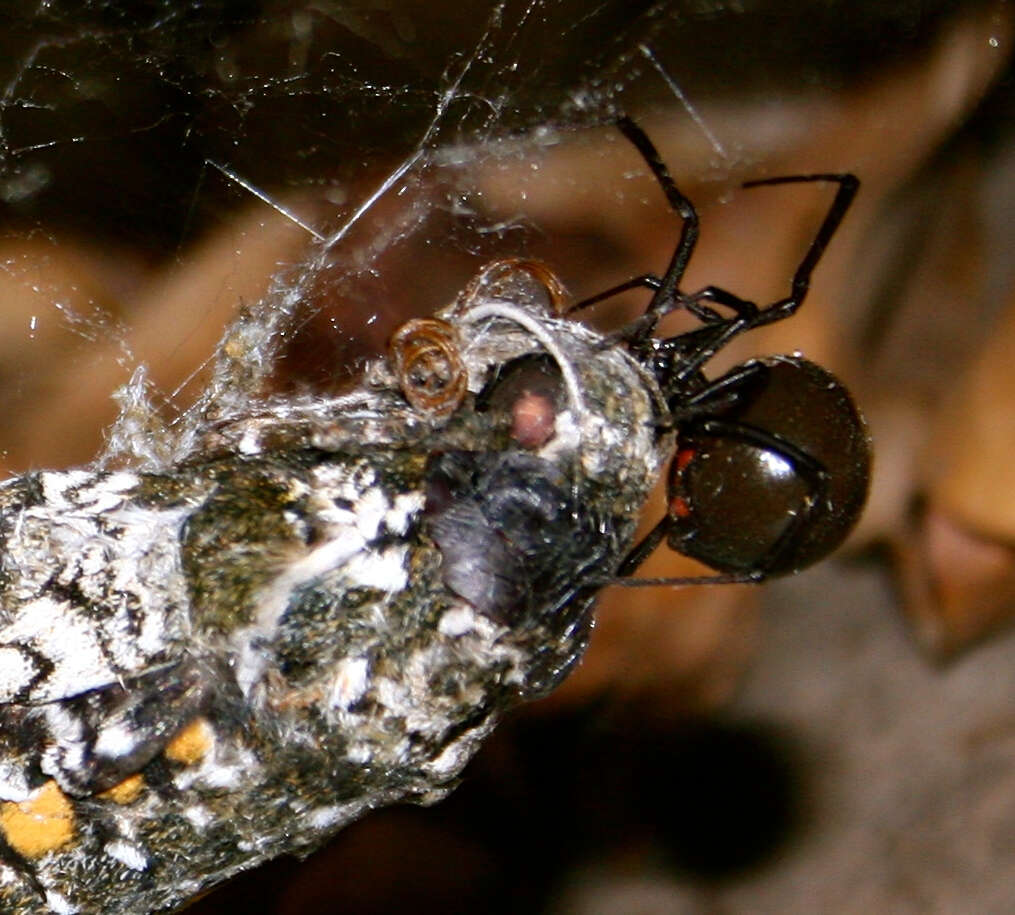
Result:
321,608
849,776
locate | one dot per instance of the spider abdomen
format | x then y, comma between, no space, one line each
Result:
777,480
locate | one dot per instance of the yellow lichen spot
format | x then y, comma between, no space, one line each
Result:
39,825
192,744
125,792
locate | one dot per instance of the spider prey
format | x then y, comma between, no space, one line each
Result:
328,603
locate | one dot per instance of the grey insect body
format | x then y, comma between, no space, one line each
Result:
323,608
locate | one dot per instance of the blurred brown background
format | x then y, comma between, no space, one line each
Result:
839,742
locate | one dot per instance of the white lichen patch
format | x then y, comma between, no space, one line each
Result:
128,854
116,740
370,510
452,761
105,493
14,785
407,505
199,816
383,570
228,766
17,668
332,816
350,683
59,904
56,486
124,559
462,619
70,641
567,438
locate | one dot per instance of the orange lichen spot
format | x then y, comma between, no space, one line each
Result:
125,792
192,744
41,824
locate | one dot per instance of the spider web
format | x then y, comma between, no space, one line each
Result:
210,202
324,169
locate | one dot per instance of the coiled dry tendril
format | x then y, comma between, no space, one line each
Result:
430,371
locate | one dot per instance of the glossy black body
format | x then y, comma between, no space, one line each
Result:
773,458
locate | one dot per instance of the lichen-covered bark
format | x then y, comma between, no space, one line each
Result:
323,608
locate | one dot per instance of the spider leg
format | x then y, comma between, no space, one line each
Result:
848,186
637,332
648,544
667,290
748,315
645,547
742,308
719,395
648,280
666,296
683,356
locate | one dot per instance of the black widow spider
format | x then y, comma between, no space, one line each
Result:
773,458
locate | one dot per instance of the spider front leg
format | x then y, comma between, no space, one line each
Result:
645,281
666,292
664,287
848,186
747,315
